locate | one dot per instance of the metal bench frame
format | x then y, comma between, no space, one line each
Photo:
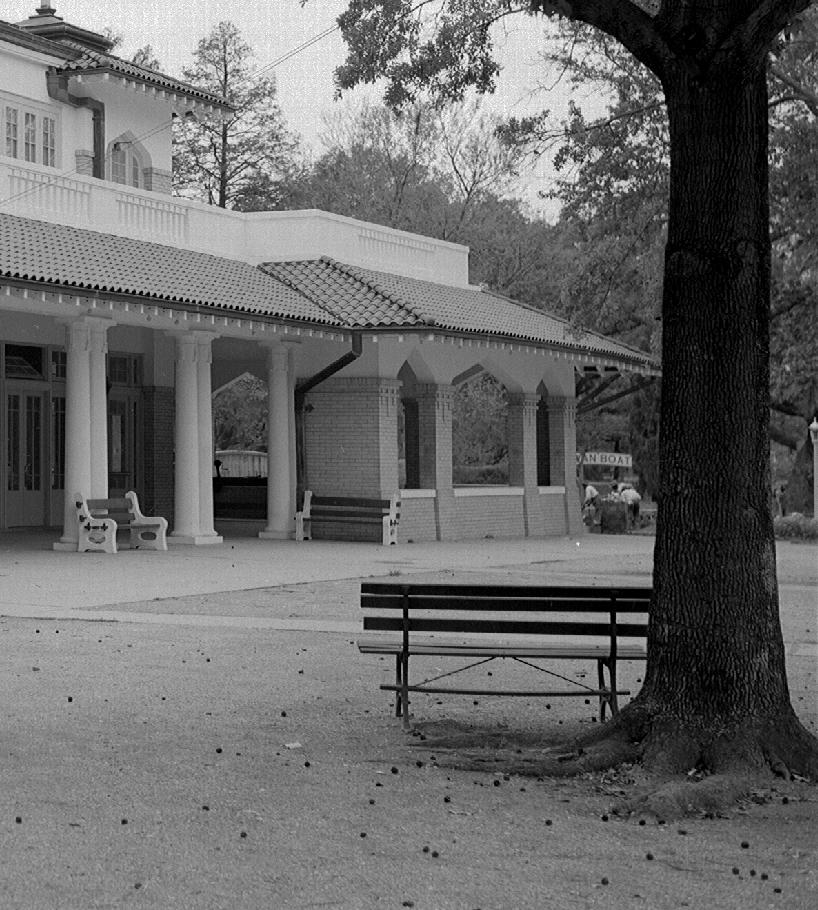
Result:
438,620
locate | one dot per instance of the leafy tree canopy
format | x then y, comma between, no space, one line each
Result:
715,695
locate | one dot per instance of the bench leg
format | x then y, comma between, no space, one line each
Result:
610,698
398,665
404,694
600,675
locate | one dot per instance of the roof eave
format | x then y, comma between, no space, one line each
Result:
49,286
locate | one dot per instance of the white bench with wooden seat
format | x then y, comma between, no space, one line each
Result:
98,521
349,517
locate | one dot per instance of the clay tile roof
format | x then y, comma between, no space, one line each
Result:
68,257
352,299
368,298
91,61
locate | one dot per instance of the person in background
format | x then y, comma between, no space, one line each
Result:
628,495
591,506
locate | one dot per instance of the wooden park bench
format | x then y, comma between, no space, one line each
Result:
482,623
378,516
99,520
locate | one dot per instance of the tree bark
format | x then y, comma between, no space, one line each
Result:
716,652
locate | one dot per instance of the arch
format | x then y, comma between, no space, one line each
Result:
543,430
127,161
480,440
408,430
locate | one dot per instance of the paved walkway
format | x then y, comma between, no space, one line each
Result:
35,577
222,745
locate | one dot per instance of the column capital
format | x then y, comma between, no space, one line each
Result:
524,398
185,346
278,358
77,335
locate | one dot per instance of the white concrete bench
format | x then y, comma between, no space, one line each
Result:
98,521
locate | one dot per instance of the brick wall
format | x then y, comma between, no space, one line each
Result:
552,509
351,437
477,517
158,410
84,164
417,520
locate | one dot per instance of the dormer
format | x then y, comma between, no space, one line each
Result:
104,116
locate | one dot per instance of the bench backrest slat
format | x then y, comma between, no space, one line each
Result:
340,502
499,627
476,591
504,598
495,605
110,505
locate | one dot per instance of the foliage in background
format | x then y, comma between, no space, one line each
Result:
480,431
240,414
613,184
796,527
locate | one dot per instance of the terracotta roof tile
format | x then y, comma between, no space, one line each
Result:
95,61
368,298
335,286
321,291
72,257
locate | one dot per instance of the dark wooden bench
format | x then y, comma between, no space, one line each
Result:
522,623
349,512
98,521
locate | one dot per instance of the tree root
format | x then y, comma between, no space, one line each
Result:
688,769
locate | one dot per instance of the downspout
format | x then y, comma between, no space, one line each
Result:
57,84
300,392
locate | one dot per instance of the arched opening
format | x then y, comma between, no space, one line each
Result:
408,431
479,429
543,439
128,161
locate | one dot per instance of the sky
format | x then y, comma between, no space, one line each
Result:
275,28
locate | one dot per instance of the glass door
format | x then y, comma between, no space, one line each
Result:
25,465
123,462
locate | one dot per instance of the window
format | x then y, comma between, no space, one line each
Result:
125,165
49,142
124,369
59,364
30,135
11,132
24,362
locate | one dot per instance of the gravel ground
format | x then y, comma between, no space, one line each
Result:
182,764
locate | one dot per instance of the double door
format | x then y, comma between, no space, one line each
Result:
35,446
34,487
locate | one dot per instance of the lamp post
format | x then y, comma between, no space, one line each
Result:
813,432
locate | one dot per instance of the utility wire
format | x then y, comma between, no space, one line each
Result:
162,126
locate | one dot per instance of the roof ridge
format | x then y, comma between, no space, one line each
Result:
352,271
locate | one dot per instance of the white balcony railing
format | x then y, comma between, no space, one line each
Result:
33,191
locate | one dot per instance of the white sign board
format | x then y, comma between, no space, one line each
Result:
606,459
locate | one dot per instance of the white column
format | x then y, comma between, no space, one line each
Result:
77,427
187,467
98,343
280,498
204,360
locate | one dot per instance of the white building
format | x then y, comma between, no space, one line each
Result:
121,307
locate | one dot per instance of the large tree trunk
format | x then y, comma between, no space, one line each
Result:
716,677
